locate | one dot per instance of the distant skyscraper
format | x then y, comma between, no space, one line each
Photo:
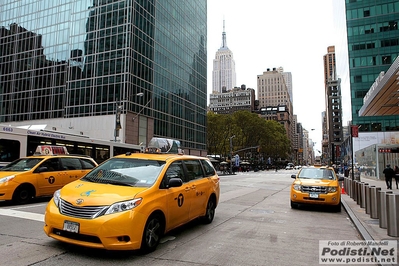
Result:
333,100
373,45
74,61
224,69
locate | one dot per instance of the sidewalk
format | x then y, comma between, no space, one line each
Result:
368,228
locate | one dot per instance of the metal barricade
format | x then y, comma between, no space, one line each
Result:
392,201
382,208
373,202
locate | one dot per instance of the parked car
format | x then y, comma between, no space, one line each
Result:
290,166
131,200
42,174
316,185
297,167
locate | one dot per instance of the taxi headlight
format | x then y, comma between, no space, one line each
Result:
56,198
297,187
332,189
124,206
6,179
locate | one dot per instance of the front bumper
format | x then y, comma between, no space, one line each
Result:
119,231
321,199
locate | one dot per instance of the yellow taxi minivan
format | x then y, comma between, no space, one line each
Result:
130,201
41,174
316,185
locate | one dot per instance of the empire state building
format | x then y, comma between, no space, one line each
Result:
224,70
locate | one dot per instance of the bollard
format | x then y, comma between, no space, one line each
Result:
350,187
392,201
357,191
374,202
363,197
382,208
368,199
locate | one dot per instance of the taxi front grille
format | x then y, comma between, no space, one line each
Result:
85,212
314,189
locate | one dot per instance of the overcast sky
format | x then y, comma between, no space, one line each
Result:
288,33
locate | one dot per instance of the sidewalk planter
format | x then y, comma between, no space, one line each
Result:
392,201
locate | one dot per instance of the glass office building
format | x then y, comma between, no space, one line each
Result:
80,58
373,45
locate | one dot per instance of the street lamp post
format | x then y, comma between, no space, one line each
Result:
231,154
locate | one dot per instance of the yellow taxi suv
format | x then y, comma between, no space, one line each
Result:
41,175
130,201
316,185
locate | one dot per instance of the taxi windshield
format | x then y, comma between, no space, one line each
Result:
317,173
21,165
126,172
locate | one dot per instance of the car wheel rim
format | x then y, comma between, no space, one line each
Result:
153,233
210,211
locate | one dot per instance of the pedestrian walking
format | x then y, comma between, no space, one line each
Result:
396,169
389,174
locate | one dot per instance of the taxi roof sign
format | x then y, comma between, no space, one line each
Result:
50,150
163,145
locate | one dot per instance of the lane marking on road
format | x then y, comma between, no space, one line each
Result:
24,215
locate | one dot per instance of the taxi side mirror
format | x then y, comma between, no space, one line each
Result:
293,176
41,169
175,182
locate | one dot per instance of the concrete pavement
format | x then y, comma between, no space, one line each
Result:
369,228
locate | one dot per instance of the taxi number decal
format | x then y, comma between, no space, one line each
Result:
180,200
51,179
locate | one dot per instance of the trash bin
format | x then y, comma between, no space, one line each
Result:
373,202
392,201
382,208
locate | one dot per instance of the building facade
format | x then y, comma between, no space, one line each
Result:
125,70
224,69
373,45
237,99
333,101
274,97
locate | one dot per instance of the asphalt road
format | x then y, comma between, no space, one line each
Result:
254,225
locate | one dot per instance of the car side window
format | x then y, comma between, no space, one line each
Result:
87,164
175,170
208,168
194,169
71,164
51,164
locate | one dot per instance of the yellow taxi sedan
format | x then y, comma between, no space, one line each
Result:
131,200
316,185
40,175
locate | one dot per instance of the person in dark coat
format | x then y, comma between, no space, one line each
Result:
396,169
389,173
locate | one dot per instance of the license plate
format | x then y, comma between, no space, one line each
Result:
313,195
71,226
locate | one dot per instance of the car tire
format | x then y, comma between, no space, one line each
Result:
23,194
337,208
210,212
152,233
294,205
